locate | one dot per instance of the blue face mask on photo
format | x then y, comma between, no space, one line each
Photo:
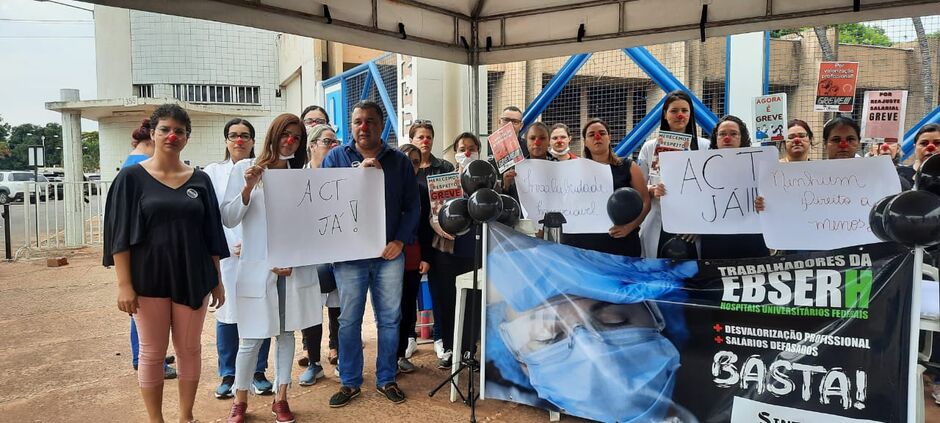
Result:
624,375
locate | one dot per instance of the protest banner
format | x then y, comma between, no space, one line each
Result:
504,144
883,116
667,141
578,189
820,205
812,337
770,117
443,187
712,191
835,89
324,215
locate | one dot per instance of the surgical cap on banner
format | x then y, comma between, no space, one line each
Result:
555,269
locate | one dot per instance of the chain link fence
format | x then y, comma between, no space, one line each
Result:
612,87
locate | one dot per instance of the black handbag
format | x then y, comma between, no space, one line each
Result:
327,280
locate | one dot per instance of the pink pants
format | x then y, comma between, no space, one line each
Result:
155,317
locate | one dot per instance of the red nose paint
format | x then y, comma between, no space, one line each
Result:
172,138
930,148
843,144
363,127
467,154
597,137
885,147
239,142
538,143
291,140
680,117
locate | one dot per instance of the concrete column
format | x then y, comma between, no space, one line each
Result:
72,162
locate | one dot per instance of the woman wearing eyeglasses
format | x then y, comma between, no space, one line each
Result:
320,140
799,141
239,144
314,115
272,301
163,235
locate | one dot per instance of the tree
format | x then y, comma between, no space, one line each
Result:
23,136
90,151
856,33
926,73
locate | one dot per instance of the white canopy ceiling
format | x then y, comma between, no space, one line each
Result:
512,30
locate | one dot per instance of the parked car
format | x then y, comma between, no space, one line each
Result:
14,184
93,181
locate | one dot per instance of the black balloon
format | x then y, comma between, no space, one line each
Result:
476,175
928,176
913,219
678,249
511,211
876,218
624,206
485,205
454,217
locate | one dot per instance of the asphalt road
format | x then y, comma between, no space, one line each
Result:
51,221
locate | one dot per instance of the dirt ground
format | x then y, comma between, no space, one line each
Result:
66,358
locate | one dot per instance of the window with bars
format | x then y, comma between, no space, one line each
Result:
143,90
217,94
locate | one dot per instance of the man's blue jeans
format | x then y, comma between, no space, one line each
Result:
354,279
226,338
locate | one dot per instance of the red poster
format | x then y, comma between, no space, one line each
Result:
505,147
835,90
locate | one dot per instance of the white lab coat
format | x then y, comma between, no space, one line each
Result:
219,173
652,226
255,285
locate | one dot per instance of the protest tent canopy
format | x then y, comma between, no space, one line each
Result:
508,31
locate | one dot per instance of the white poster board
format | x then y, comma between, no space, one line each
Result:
712,191
770,118
324,215
578,189
883,116
823,205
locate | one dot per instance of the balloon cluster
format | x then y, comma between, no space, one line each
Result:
481,203
911,218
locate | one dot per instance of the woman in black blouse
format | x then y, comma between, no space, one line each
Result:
622,240
163,234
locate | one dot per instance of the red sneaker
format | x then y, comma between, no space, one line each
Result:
281,412
238,412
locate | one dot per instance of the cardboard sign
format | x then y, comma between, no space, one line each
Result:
770,117
579,189
835,89
883,116
441,188
819,205
324,215
712,191
668,141
505,147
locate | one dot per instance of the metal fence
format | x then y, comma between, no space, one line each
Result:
611,86
38,221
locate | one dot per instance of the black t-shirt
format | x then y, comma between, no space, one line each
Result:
733,246
172,234
627,246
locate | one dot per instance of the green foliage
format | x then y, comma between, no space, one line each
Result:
14,148
90,151
934,35
779,33
856,33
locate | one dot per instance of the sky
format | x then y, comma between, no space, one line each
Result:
46,47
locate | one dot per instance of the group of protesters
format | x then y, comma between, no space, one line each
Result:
183,239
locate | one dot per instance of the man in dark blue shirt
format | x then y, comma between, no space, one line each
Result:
383,275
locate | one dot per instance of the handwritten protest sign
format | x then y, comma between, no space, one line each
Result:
578,189
712,191
770,117
820,205
835,90
441,188
505,147
324,215
883,116
667,141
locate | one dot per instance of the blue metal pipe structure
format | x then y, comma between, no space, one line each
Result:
704,117
390,110
553,88
641,131
907,146
366,87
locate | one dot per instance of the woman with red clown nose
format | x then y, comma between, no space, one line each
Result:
272,301
624,239
926,144
678,116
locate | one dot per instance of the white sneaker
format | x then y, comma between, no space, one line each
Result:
439,348
411,348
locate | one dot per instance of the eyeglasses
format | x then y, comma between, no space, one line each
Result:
797,135
328,142
421,122
234,137
315,121
506,120
180,132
